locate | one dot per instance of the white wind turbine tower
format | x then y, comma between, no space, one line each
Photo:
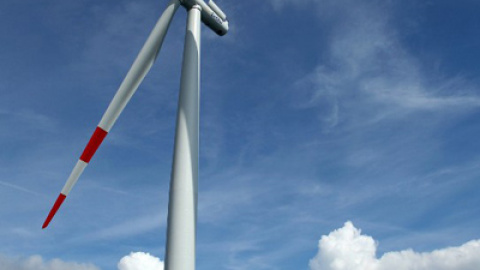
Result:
182,208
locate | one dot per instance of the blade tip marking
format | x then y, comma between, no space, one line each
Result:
54,210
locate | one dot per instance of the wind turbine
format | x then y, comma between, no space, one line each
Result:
182,208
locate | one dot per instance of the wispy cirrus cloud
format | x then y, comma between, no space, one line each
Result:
369,75
136,226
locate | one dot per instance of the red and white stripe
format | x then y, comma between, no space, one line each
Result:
82,163
120,100
135,76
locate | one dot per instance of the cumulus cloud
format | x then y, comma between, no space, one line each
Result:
133,261
347,249
140,261
37,263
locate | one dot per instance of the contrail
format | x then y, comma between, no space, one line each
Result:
20,188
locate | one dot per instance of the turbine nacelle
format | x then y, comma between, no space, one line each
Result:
212,15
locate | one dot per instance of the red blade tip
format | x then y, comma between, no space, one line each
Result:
54,209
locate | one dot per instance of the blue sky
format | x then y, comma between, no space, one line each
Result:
313,113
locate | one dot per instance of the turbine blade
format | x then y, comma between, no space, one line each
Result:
72,179
134,77
54,210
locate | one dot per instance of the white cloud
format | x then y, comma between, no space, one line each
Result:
37,263
347,249
369,74
140,261
133,261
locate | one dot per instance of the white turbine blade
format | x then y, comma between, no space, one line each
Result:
217,10
134,77
140,67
